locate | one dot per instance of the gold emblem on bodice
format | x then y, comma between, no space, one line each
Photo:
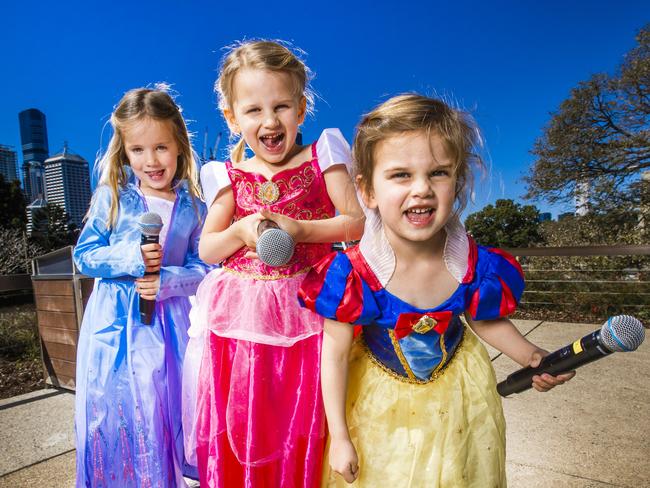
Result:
425,324
268,192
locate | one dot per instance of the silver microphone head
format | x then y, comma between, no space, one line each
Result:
275,247
622,333
150,224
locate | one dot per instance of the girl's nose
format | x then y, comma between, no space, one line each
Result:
421,187
271,120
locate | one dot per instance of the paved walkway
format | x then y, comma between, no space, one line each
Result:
591,433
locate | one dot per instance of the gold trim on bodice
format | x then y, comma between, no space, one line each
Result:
411,378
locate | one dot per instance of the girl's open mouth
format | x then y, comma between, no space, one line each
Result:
156,175
272,142
419,216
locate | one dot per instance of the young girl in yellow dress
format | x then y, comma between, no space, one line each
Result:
416,405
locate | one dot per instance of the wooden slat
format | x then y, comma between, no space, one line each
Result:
86,289
622,250
16,282
53,287
55,303
60,336
59,320
60,381
63,368
55,350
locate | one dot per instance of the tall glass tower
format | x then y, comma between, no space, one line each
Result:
33,137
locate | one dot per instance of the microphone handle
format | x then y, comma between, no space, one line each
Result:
570,357
147,307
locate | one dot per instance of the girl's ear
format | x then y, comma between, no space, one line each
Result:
367,196
231,120
302,110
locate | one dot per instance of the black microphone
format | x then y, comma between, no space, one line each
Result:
150,225
619,333
274,246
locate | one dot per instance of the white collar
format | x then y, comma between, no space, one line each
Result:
379,254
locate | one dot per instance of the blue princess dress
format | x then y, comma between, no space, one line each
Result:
128,398
422,406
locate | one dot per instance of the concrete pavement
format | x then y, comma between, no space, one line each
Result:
593,432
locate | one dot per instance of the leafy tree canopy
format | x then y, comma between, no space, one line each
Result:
12,205
598,142
505,224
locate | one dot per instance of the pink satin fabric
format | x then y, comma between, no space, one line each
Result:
259,419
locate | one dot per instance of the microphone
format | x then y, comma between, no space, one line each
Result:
274,246
619,333
150,226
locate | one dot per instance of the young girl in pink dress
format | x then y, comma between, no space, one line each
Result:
259,418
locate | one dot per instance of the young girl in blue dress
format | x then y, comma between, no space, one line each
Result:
417,403
128,397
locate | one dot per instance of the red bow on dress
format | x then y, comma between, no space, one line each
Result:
422,323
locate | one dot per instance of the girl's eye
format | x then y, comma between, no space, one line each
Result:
252,110
400,175
440,172
161,148
282,106
136,150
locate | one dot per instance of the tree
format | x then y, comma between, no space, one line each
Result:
52,228
12,205
598,141
17,252
505,224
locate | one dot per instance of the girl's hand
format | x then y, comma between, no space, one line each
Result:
247,229
291,226
152,256
148,286
343,459
545,381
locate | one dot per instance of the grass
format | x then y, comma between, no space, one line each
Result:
19,333
20,355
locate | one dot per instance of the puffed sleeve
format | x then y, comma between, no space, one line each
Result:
336,290
94,254
214,177
184,280
332,149
498,285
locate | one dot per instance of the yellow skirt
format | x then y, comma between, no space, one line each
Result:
447,433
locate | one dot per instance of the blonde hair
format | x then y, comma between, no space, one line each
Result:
261,54
136,105
412,112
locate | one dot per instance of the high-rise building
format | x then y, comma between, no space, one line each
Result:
8,163
67,184
33,137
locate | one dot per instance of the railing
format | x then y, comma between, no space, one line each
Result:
596,280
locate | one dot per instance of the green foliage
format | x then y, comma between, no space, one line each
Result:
599,139
505,224
19,333
52,228
12,205
17,252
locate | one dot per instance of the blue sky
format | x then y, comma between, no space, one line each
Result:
510,63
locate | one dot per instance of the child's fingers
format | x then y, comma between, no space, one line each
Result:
151,247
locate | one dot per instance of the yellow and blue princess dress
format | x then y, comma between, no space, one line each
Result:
422,406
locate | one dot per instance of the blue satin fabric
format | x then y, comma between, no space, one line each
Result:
128,398
342,294
421,351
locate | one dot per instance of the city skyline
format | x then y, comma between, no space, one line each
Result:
510,64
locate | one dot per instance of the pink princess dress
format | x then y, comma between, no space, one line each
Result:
254,411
